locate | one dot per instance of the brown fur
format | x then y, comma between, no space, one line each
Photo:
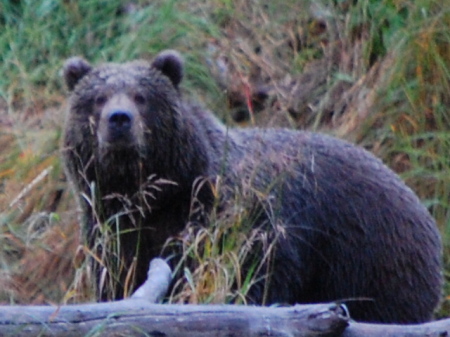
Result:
346,225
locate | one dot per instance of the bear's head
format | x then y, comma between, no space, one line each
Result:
119,106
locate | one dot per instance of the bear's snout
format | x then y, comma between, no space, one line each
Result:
119,127
120,121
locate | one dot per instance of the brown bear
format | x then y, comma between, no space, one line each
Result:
346,226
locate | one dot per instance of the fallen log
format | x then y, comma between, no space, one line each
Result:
433,329
141,316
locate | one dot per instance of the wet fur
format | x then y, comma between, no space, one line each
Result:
346,225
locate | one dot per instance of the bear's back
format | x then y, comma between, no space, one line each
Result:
361,232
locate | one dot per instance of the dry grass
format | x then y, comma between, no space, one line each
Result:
221,262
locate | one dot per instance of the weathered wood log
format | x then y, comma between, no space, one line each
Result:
158,281
137,317
433,329
140,316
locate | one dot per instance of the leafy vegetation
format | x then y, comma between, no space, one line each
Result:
376,72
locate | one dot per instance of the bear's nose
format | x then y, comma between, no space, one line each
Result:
120,120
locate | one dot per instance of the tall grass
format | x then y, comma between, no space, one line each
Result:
413,116
415,107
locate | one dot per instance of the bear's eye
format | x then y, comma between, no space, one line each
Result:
139,99
100,100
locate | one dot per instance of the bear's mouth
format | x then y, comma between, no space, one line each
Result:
117,139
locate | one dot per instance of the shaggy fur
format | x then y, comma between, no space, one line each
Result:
347,227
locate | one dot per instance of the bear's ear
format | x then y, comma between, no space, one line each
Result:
74,69
170,63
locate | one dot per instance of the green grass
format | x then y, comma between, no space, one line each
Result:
394,64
